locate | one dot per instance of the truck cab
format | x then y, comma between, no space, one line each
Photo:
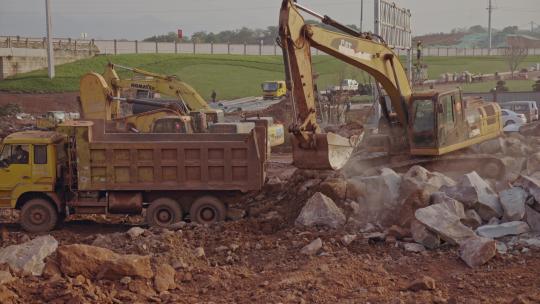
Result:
274,89
30,167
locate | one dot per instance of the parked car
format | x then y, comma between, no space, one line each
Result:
510,117
529,108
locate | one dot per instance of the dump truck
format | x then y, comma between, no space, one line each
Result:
274,89
81,169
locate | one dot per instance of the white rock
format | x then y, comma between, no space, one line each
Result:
347,239
477,251
312,248
504,229
513,203
419,178
414,247
199,252
532,242
28,257
135,232
321,210
445,222
502,248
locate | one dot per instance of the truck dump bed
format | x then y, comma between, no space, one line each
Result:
118,161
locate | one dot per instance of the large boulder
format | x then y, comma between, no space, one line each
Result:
450,203
533,218
472,219
321,210
164,279
419,178
379,196
29,257
504,229
477,251
444,221
513,203
97,262
476,193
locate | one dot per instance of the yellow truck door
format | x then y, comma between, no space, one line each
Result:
15,170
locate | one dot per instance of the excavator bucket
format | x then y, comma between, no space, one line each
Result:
330,153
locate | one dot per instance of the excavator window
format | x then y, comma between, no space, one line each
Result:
423,124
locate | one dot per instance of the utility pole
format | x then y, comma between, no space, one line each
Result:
50,50
490,10
361,15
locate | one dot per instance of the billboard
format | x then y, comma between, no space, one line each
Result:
393,24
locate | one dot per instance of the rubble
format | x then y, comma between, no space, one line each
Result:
312,248
445,222
532,218
472,219
347,239
165,278
92,262
423,236
474,192
414,247
504,229
477,251
6,277
418,178
29,257
321,210
334,188
530,184
135,232
513,203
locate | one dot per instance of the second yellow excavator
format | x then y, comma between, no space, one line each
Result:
101,96
422,125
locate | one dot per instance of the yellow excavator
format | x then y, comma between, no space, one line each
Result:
101,97
422,125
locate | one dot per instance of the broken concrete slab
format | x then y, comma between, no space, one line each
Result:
442,220
513,203
504,229
477,251
29,257
423,236
321,210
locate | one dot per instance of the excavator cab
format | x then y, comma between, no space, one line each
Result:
423,121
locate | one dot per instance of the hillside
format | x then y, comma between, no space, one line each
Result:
231,76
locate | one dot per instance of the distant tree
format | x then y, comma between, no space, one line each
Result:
477,29
169,37
510,29
514,56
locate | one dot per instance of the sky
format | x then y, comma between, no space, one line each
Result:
138,19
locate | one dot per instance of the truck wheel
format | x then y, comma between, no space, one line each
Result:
163,212
38,215
207,210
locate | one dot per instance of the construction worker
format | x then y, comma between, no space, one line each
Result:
419,50
20,156
214,95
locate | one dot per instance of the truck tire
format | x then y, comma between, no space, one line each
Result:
163,212
38,215
207,210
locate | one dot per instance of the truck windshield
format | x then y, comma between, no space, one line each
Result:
270,86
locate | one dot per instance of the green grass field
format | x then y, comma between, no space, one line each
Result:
235,76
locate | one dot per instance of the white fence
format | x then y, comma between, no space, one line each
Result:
140,47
